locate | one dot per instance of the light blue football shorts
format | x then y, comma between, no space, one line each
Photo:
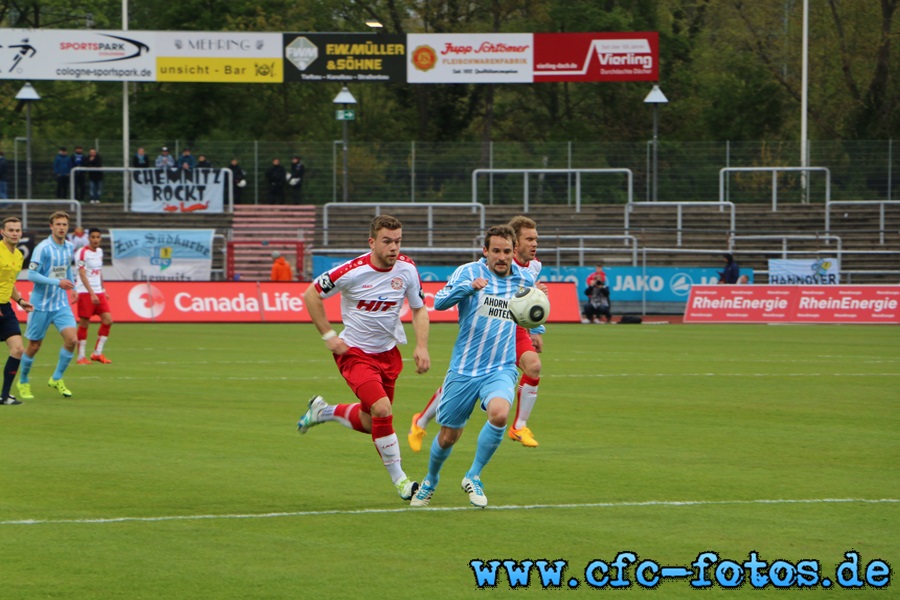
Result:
461,392
39,322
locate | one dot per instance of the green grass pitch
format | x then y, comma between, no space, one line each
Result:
176,472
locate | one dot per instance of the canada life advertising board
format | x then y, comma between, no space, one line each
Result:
261,302
869,304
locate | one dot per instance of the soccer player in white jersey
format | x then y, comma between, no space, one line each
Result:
50,269
483,362
528,345
372,288
92,298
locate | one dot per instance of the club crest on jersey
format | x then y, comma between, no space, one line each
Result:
325,282
397,283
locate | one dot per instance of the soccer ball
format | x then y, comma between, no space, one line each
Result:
529,308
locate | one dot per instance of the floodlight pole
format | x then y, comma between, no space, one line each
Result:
655,97
343,99
28,95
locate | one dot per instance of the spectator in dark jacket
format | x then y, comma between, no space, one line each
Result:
140,160
79,160
238,180
732,271
275,178
95,176
202,163
62,166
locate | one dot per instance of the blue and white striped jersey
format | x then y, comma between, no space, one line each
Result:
54,261
487,336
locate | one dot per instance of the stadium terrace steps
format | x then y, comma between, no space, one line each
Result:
704,228
266,225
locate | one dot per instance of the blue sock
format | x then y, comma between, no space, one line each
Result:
25,368
436,461
62,364
488,441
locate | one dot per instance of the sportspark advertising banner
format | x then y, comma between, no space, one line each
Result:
871,304
77,54
161,255
344,57
219,57
596,56
814,271
264,302
179,190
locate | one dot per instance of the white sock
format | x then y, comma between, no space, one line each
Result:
389,449
101,340
430,409
81,345
527,399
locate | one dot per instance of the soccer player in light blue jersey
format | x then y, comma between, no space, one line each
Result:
50,270
483,362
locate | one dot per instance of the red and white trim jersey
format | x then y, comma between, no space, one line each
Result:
371,300
91,261
533,265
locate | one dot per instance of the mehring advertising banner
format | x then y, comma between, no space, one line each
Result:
811,271
179,190
73,54
161,255
219,57
344,57
596,56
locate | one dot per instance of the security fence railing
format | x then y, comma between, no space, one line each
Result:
442,172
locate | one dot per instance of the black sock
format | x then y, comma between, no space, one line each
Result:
9,374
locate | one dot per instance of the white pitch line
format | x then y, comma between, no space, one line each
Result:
370,511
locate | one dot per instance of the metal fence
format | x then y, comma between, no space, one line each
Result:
442,172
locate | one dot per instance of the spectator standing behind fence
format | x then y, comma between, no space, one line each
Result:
164,160
140,160
281,269
78,160
202,163
276,177
238,180
732,271
296,179
3,193
186,160
95,176
62,166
